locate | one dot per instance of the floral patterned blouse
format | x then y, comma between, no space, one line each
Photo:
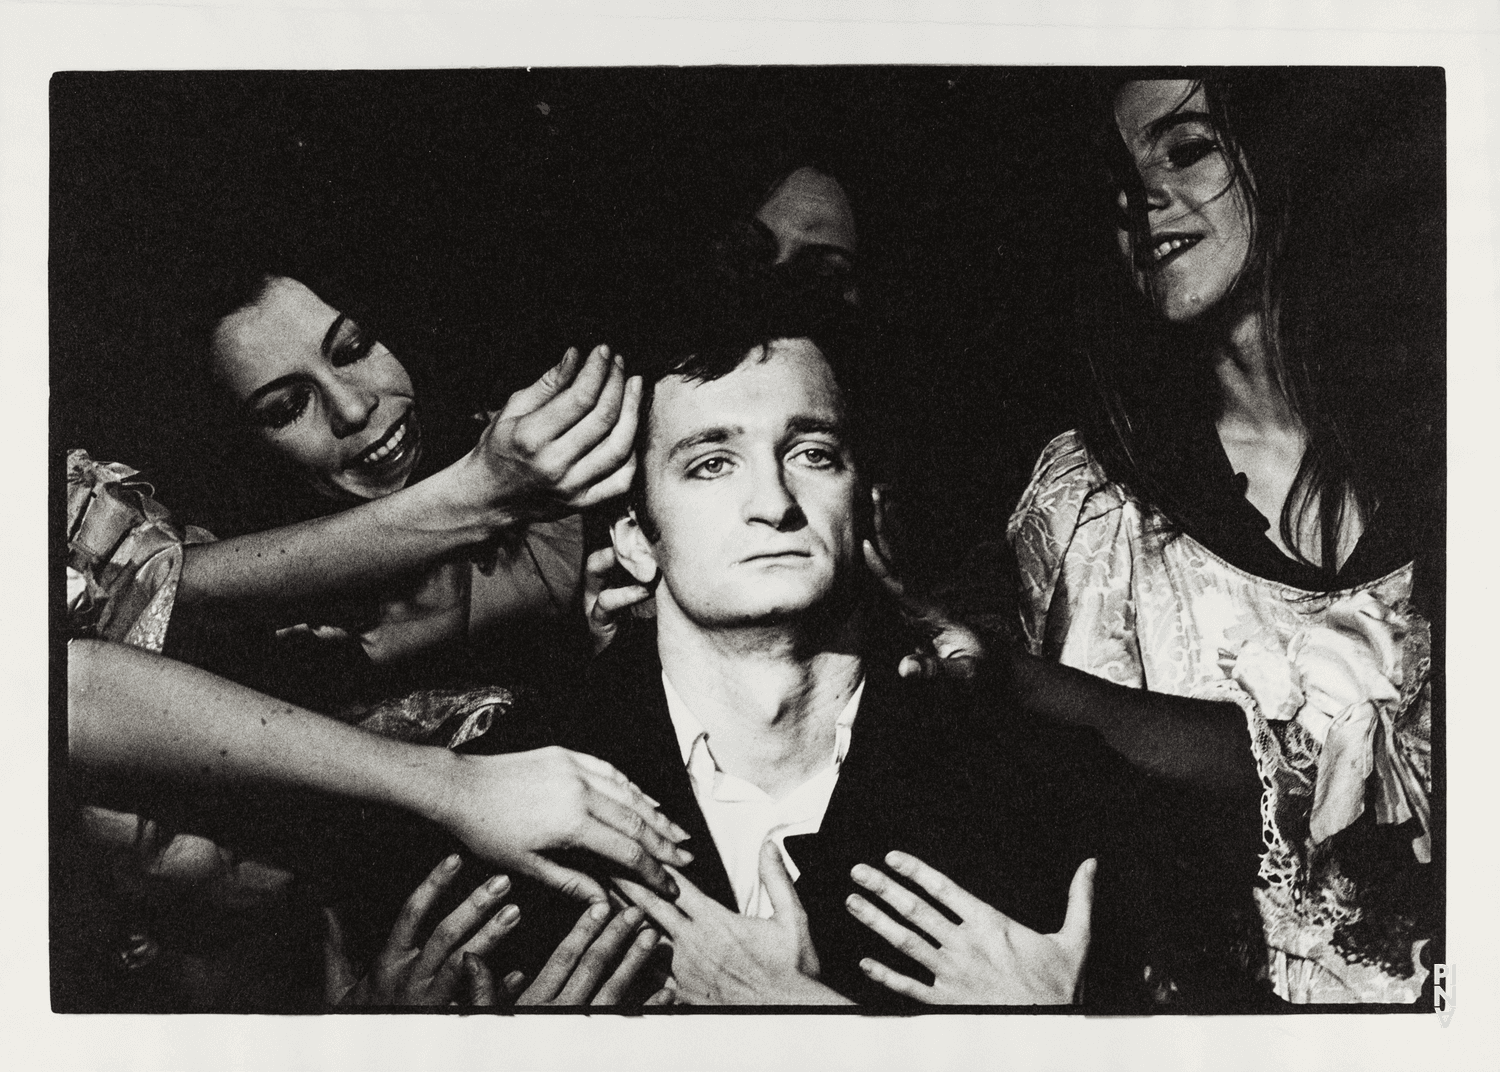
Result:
1334,686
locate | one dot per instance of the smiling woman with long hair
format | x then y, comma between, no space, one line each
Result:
1237,534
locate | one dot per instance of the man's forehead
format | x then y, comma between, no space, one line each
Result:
767,390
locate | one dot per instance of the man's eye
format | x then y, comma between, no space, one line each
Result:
709,467
819,457
282,409
1186,154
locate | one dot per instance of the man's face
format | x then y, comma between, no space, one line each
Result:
750,482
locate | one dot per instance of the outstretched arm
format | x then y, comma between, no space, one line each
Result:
559,446
131,711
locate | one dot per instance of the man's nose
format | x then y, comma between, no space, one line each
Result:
772,500
351,404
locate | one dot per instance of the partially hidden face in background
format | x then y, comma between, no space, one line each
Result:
319,391
1198,213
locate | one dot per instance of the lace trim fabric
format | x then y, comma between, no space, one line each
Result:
1334,687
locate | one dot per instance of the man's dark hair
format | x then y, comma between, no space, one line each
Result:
721,335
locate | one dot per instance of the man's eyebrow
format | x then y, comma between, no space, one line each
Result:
827,425
719,434
333,333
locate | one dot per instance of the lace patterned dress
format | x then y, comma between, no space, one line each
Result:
1334,686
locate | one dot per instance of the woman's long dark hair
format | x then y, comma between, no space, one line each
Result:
1344,265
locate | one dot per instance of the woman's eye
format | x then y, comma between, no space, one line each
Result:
353,344
1186,154
282,409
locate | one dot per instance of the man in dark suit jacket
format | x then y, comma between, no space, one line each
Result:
766,709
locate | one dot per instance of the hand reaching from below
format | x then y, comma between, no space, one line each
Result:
513,809
720,957
604,606
409,972
952,649
985,959
596,964
561,445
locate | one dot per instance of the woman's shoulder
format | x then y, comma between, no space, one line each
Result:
1067,478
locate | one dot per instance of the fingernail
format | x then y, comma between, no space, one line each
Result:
861,872
672,890
600,911
646,939
684,857
854,903
498,884
509,913
451,863
899,860
632,915
679,833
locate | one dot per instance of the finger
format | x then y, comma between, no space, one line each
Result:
636,957
594,428
543,390
602,953
903,901
1075,928
609,780
612,601
338,972
692,901
613,486
903,940
664,996
880,501
639,823
947,892
666,915
565,880
480,945
458,924
918,666
409,921
612,450
609,844
564,958
514,982
597,566
896,981
481,981
785,903
551,421
882,571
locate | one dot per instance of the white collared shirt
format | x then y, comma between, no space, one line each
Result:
741,816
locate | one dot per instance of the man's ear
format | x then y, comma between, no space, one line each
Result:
633,550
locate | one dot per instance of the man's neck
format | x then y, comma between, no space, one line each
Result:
768,696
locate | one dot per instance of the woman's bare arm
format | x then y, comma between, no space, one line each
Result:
134,712
559,446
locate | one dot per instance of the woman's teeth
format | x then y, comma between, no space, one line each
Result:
380,453
1170,245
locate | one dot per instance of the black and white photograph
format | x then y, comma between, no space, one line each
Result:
900,546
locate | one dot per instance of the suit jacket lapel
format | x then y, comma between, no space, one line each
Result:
624,721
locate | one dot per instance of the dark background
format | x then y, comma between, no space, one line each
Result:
495,217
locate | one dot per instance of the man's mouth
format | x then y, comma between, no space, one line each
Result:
393,445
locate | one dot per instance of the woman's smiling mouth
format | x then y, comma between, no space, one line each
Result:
392,447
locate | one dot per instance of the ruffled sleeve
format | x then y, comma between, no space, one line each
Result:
124,555
1071,537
